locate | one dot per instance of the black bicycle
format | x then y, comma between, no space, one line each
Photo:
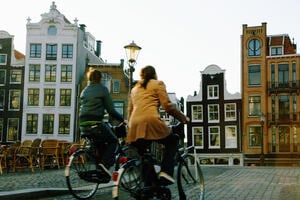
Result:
190,181
82,174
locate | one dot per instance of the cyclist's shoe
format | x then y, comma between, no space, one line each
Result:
165,179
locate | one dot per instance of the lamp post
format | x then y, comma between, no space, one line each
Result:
132,51
262,156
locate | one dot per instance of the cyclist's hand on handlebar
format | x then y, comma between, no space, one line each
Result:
125,122
187,120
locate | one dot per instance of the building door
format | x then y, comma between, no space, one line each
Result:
284,138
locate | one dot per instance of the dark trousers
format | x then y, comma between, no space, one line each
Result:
106,143
168,160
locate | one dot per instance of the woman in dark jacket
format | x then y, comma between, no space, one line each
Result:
95,99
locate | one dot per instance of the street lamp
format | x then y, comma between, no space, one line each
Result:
132,51
262,156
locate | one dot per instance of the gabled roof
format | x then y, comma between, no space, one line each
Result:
18,55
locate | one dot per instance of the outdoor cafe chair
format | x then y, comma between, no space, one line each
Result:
22,156
49,153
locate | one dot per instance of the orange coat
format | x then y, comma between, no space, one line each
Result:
143,115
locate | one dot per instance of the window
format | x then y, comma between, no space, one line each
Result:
214,137
3,59
66,73
35,50
64,124
50,73
230,137
51,51
49,97
116,86
13,129
119,106
294,76
34,73
67,51
31,123
254,106
276,51
14,99
33,96
52,30
16,76
2,77
198,137
230,111
1,128
213,92
65,97
48,123
2,99
254,47
273,75
284,106
283,75
213,113
255,136
197,113
254,75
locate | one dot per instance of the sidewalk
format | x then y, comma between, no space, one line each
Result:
274,183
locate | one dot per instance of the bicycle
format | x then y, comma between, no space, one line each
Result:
82,176
190,181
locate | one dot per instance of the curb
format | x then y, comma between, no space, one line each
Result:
33,193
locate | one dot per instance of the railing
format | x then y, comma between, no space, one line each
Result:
284,148
288,86
283,118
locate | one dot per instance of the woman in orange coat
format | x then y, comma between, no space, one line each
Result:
144,120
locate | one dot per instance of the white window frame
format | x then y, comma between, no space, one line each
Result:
199,113
230,137
5,57
208,112
116,86
198,131
213,89
218,137
229,111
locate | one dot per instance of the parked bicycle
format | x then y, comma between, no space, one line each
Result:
190,181
82,176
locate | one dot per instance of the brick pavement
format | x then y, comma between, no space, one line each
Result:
255,183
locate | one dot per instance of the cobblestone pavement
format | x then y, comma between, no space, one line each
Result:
221,182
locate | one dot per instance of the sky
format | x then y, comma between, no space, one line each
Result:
180,38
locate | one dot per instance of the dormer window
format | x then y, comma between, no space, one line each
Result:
276,51
52,30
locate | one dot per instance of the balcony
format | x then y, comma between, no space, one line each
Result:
283,118
289,86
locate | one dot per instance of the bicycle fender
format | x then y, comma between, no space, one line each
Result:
67,169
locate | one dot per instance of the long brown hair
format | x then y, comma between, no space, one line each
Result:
146,74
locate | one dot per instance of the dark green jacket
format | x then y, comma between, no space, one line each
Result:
94,100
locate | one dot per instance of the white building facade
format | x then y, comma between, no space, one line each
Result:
57,53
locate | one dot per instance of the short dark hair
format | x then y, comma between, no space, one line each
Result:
94,76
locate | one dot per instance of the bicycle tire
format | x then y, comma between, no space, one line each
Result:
80,162
190,179
130,180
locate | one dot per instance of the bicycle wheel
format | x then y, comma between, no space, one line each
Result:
190,179
79,173
130,180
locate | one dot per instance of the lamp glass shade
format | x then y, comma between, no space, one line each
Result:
132,51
